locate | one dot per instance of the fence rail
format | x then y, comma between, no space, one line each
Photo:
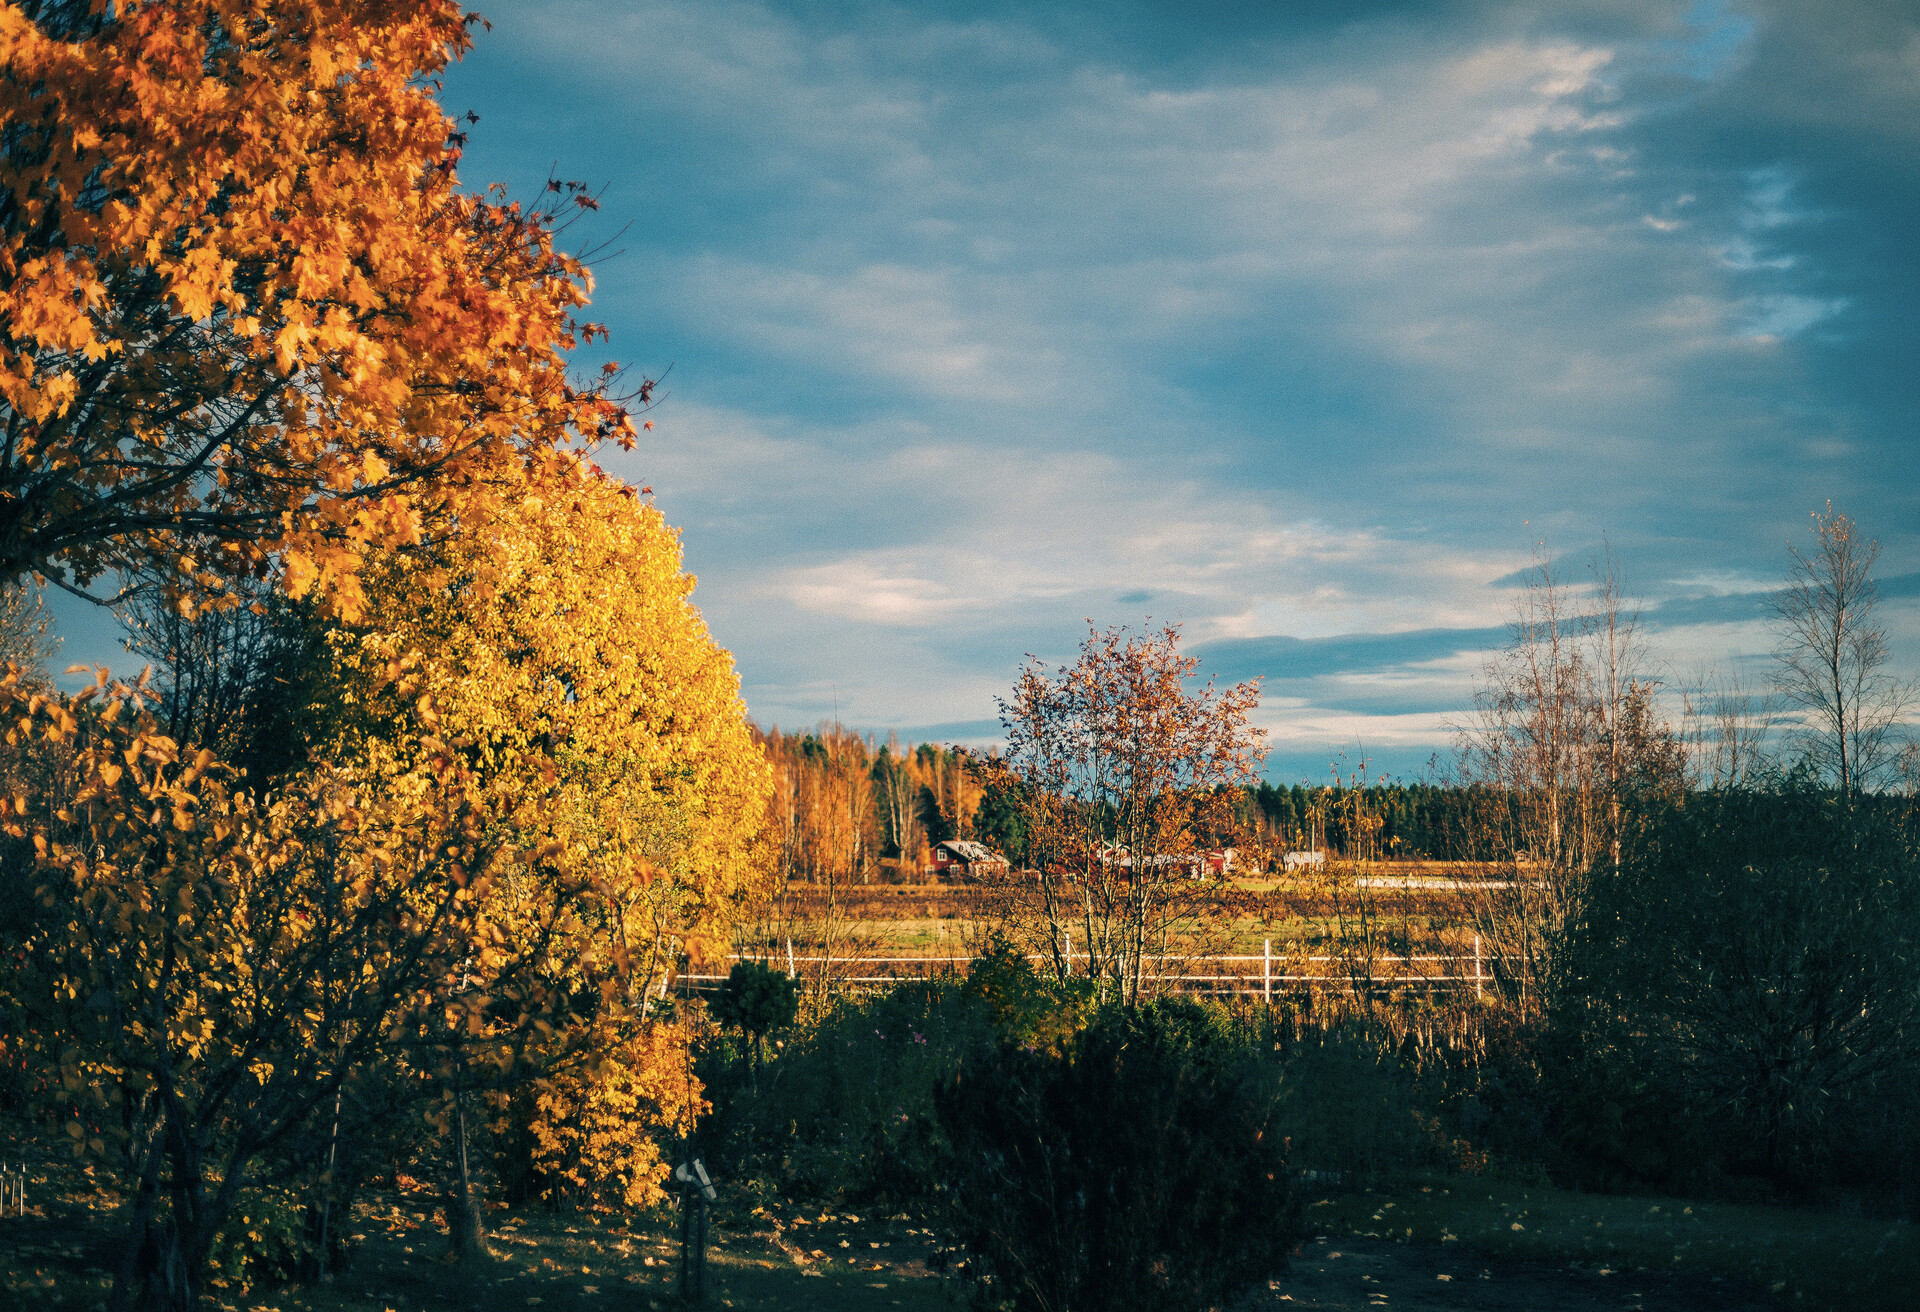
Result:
1458,971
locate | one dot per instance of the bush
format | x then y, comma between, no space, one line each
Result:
1137,1169
844,1109
1028,1010
267,1241
756,1000
1747,994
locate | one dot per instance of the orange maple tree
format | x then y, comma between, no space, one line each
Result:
249,323
251,328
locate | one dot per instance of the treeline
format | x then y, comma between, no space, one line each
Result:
1384,822
847,806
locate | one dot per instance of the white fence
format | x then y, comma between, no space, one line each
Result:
1275,973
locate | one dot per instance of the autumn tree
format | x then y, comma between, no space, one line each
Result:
1565,746
211,968
1832,658
540,792
252,333
232,679
559,650
1124,775
247,317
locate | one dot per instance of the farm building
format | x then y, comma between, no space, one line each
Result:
960,858
1219,861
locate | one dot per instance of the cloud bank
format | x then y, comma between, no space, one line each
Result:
1306,329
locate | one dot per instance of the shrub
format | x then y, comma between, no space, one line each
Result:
844,1108
1749,974
756,1000
1028,1010
1137,1169
265,1242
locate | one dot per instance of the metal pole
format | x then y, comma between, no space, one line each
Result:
1266,973
326,1193
693,1246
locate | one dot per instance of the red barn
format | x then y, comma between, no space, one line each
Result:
962,858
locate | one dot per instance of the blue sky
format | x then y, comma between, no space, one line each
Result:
1305,325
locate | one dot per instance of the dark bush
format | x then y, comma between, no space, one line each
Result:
1137,1169
756,1000
1748,994
844,1108
1029,1010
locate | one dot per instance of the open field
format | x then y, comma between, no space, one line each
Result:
936,919
1287,931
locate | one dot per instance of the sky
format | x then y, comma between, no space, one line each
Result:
1309,327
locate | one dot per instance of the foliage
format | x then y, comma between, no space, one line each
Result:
478,896
999,823
756,1000
1028,1010
214,360
26,630
558,649
1125,778
1135,1171
1752,972
234,680
264,1243
591,1131
211,966
559,652
844,1109
257,342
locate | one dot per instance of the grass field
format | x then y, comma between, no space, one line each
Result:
949,921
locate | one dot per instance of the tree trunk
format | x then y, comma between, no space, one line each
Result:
163,1265
466,1236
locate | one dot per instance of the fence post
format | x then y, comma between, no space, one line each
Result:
1266,973
790,970
1476,967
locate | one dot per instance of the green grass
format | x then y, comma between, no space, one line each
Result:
1814,1259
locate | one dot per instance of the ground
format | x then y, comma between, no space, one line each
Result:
1456,1245
1351,1273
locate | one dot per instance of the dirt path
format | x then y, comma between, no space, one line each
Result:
1351,1273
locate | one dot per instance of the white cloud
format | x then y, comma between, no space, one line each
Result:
998,329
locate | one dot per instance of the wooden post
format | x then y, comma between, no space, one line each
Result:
1266,972
790,970
1476,967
